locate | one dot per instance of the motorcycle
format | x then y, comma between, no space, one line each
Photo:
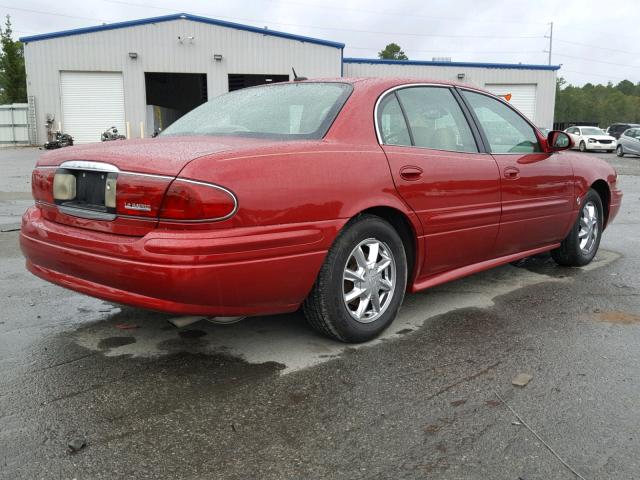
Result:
59,140
111,134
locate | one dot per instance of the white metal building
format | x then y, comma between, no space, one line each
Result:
143,71
529,88
141,75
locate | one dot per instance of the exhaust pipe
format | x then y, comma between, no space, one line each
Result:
181,322
225,320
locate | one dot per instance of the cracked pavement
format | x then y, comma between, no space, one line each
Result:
267,398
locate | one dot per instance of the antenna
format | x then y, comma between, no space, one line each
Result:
296,78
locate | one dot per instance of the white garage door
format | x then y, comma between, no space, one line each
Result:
91,103
523,97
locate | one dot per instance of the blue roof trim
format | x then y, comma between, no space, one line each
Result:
179,16
516,66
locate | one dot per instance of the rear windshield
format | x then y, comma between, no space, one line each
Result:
287,111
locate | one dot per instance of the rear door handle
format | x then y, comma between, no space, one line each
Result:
511,173
410,172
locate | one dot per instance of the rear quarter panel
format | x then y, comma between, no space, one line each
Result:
301,182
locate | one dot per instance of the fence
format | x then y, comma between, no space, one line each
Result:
17,123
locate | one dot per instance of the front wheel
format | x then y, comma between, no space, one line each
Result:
361,284
619,151
581,245
583,147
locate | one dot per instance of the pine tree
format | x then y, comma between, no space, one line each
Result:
13,78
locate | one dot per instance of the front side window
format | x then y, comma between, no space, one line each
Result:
436,120
506,130
287,111
393,128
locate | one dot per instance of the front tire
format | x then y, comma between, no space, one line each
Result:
582,243
583,147
619,151
361,284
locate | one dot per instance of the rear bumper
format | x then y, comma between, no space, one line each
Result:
228,272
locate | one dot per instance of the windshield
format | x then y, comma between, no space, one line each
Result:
592,131
287,111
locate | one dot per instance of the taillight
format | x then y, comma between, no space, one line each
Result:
189,200
140,195
42,184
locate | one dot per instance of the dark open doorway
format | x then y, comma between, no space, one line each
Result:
241,80
171,95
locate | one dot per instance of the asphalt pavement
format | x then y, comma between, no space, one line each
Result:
267,398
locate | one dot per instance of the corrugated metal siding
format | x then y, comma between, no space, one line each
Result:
545,80
91,103
160,50
523,97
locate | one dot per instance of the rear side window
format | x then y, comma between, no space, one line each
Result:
506,130
436,120
393,128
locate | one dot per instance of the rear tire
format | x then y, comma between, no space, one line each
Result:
619,151
367,259
583,241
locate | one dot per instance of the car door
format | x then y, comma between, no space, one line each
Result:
630,141
537,187
440,171
574,133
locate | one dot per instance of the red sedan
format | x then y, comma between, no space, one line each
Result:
336,195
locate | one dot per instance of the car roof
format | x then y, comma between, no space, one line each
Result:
394,81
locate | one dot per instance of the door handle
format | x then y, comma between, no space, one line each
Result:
511,173
410,172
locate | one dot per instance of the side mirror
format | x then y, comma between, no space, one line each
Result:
558,140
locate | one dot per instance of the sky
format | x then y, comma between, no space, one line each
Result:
593,42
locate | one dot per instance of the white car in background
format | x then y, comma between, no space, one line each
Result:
591,138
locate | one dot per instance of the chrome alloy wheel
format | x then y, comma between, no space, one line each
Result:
589,230
369,280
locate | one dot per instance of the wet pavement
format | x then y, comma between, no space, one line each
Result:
267,398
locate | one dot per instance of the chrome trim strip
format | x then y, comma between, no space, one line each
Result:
87,165
45,167
146,175
393,89
442,85
204,220
90,214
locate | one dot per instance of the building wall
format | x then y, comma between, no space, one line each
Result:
475,76
159,50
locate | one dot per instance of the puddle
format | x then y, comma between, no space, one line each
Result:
621,318
287,340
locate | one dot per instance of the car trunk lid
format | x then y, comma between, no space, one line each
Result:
118,187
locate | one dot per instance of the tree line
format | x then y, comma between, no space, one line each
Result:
601,104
